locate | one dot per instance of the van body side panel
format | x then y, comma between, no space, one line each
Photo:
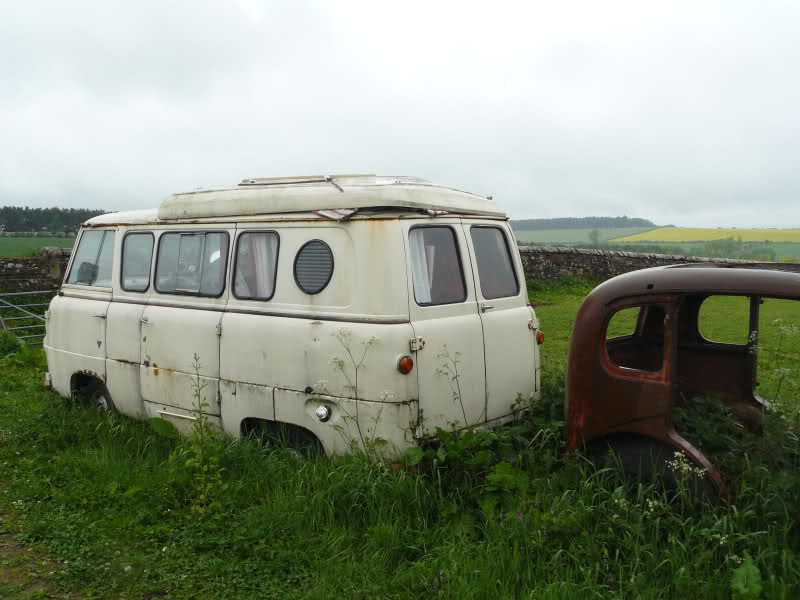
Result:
297,354
386,427
242,401
171,338
76,337
450,366
509,325
123,334
314,343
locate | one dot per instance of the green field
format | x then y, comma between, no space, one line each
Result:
572,236
30,246
707,234
97,506
783,250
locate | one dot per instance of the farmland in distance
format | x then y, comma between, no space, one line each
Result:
573,236
707,234
30,246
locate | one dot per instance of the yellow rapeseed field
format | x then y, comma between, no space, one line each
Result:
707,234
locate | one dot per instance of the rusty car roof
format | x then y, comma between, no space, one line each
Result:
774,280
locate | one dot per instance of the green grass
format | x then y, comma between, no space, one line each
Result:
500,514
30,246
572,236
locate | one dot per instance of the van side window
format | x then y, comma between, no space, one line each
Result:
93,260
137,255
256,265
436,266
313,266
495,267
192,263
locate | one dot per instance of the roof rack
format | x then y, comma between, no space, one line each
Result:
300,179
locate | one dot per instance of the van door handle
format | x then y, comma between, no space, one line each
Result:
144,320
99,316
485,307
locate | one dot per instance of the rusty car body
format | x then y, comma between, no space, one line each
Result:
621,390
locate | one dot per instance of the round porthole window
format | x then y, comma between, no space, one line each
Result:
313,266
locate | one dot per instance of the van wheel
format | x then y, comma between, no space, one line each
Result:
99,398
646,460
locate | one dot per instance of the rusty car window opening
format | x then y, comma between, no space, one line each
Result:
93,260
495,267
192,263
635,338
734,329
436,269
137,257
256,265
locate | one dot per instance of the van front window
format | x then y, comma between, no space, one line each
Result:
93,260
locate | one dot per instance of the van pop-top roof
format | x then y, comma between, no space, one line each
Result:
311,193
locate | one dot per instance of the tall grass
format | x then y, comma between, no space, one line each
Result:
101,494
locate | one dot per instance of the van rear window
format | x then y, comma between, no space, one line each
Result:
93,260
192,263
436,266
256,265
495,269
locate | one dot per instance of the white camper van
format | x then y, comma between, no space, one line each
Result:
343,310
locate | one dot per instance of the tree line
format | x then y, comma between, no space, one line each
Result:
54,220
581,223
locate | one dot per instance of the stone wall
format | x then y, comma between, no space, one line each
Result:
44,272
554,263
47,271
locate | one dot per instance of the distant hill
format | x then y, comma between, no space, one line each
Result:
582,223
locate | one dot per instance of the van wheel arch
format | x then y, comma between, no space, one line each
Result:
91,389
276,432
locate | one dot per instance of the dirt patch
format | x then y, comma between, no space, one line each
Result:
21,571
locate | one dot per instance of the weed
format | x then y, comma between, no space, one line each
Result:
355,362
8,343
199,457
449,369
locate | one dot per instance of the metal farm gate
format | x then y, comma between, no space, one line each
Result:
22,313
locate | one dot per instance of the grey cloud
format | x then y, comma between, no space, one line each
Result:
683,113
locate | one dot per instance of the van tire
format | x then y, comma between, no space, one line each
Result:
90,391
639,458
100,399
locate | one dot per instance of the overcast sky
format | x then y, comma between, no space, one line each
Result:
681,112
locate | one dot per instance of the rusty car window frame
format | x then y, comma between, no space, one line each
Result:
149,268
223,256
616,369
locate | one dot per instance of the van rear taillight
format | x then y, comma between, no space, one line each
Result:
405,364
540,337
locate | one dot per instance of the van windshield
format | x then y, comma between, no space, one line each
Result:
93,260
